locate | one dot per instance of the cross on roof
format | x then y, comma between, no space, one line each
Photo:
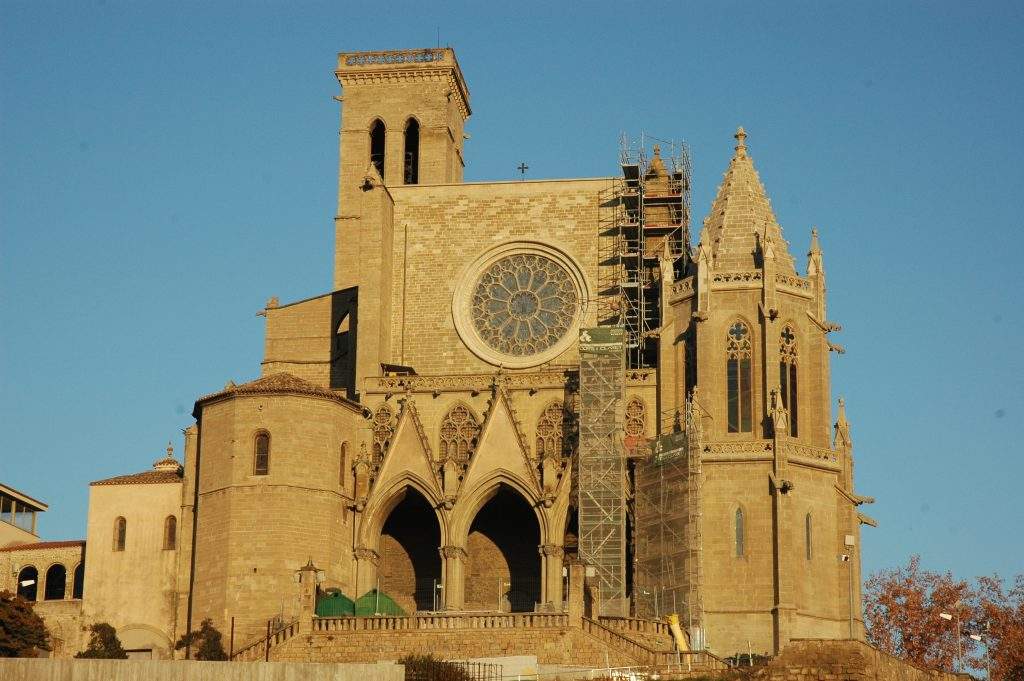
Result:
522,168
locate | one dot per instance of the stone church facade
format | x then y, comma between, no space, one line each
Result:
416,429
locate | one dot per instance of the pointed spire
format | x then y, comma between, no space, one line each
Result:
814,261
741,215
842,427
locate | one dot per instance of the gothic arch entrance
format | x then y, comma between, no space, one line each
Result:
503,560
410,562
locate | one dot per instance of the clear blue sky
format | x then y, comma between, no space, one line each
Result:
166,167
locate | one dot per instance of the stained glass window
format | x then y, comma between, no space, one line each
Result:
738,378
524,304
787,375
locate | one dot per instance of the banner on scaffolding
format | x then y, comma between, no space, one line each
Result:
602,340
667,447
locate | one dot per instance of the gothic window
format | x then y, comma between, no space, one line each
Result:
377,134
28,583
524,304
120,533
170,533
412,152
635,418
261,457
56,580
787,375
79,581
740,533
738,378
383,430
458,434
551,431
807,535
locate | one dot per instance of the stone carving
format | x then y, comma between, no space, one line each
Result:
367,554
524,304
456,552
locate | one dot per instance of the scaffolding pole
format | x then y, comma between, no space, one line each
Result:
600,461
644,226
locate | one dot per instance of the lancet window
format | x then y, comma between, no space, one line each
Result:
807,535
787,375
377,135
412,152
459,431
740,533
261,455
739,351
120,533
170,533
383,430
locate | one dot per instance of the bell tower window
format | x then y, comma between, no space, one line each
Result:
738,378
377,135
787,376
412,152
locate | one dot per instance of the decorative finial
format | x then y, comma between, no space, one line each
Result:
657,149
272,303
170,450
741,138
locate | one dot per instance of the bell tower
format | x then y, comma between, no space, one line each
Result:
403,115
752,359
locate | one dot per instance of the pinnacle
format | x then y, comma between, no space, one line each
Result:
741,217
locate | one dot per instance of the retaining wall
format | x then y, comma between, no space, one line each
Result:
185,670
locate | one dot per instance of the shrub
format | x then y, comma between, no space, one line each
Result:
103,644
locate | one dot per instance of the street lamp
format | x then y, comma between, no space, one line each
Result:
946,616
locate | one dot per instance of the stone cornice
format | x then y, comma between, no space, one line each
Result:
391,66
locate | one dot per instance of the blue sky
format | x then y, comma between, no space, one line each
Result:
168,167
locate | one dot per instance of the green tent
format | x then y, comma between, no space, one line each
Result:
375,602
335,604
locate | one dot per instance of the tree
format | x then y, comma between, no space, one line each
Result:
207,642
22,631
103,644
1000,622
902,610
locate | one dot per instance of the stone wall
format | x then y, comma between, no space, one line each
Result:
182,670
550,645
825,660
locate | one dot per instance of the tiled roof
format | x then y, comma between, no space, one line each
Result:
740,216
40,545
277,383
144,478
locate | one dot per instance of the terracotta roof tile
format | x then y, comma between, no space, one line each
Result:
277,383
40,545
144,478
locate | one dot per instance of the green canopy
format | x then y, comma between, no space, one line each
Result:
375,602
335,604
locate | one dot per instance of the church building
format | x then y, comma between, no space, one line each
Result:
505,380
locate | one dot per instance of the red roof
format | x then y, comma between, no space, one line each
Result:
40,545
144,478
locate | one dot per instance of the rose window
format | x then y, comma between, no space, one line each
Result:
524,304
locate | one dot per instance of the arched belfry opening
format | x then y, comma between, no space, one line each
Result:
412,152
377,135
503,561
410,559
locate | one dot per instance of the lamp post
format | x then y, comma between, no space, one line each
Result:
946,616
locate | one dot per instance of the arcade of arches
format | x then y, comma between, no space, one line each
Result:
501,561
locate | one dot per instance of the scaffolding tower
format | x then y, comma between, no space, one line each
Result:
600,466
668,539
644,226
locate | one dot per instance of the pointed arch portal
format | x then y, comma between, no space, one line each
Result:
503,565
410,564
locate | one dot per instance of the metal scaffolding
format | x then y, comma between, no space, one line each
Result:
644,226
600,465
668,538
